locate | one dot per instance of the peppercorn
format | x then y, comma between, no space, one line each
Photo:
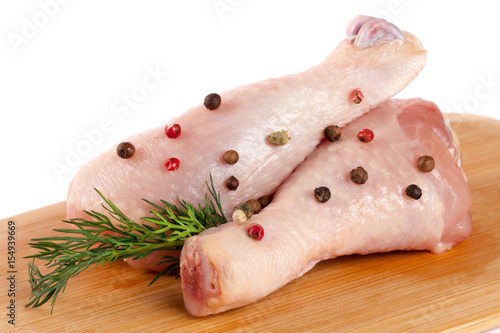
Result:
231,157
239,217
255,205
264,201
322,194
359,175
426,163
279,138
242,213
332,133
172,164
232,183
365,135
255,231
414,192
125,150
357,96
173,132
246,208
212,101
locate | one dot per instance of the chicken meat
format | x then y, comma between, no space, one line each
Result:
392,202
376,58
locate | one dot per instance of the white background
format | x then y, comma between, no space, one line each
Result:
65,67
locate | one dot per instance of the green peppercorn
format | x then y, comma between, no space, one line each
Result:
231,157
414,192
246,208
279,138
332,133
212,101
426,163
242,213
232,183
322,194
125,150
359,175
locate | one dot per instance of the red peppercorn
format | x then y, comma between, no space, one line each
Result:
173,132
172,164
255,231
365,135
357,96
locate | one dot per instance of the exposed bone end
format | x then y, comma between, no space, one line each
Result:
367,31
200,288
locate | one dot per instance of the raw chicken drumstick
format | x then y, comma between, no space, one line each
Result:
395,200
376,58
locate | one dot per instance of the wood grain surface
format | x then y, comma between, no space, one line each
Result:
458,291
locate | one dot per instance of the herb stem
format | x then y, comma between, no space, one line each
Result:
97,241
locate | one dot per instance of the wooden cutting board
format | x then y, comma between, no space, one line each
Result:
458,291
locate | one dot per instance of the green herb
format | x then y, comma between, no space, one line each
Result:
97,241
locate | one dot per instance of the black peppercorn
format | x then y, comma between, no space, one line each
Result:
426,163
264,201
359,175
414,192
232,183
255,204
125,150
332,133
212,101
231,157
322,194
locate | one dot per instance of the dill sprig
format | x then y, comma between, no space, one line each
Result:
97,241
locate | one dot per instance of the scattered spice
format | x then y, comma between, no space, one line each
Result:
232,183
242,213
365,135
239,217
173,132
279,138
322,194
212,101
332,133
426,163
246,208
357,96
264,201
359,175
255,231
414,192
231,157
255,205
125,150
172,164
